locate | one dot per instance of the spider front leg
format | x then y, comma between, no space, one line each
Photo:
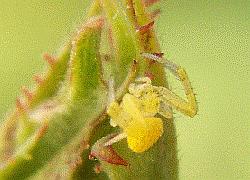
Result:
102,149
165,110
187,107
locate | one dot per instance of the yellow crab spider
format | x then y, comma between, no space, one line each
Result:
138,108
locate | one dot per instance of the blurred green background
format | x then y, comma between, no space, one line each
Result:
210,38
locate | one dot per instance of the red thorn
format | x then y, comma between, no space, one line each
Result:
50,59
38,79
155,14
145,28
160,55
27,93
148,3
98,168
149,75
20,105
42,131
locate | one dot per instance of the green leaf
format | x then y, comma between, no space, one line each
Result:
46,89
63,127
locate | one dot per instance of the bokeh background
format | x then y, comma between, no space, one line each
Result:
210,38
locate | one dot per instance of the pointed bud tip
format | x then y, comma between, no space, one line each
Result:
106,153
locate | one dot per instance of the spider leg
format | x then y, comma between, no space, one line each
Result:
166,110
122,90
116,139
187,107
143,80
